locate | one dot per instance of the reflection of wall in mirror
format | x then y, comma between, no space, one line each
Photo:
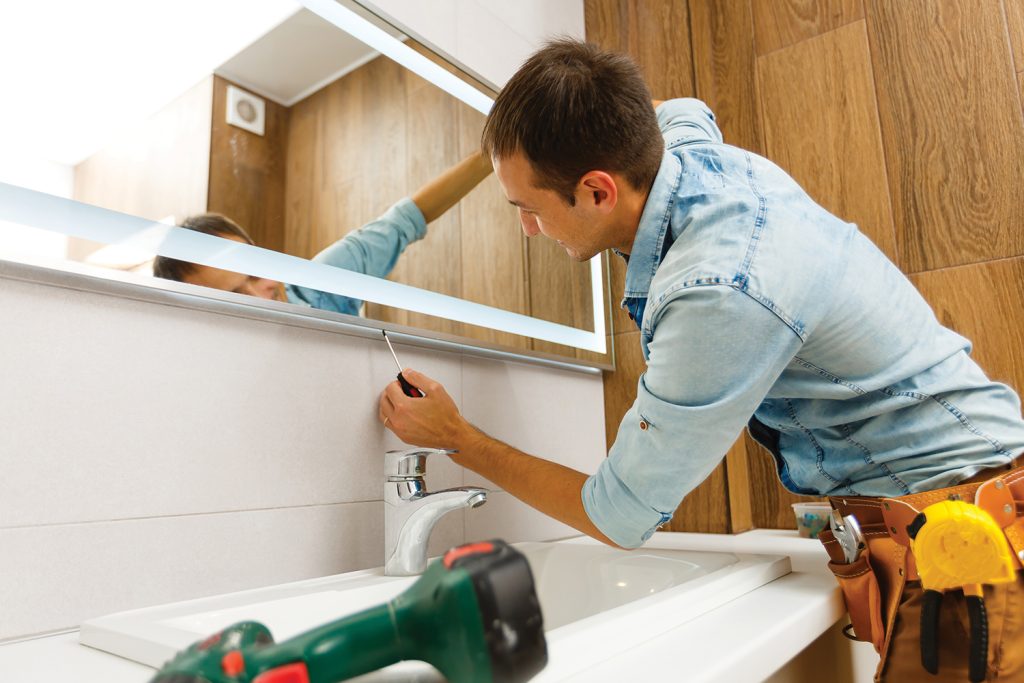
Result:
351,136
329,164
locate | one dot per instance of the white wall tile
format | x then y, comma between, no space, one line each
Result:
553,414
153,453
55,577
504,516
129,406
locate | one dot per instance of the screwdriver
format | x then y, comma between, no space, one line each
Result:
407,389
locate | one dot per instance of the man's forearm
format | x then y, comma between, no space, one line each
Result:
444,191
544,485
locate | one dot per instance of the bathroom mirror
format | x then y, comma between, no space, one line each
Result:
272,115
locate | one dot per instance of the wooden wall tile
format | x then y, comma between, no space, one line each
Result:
433,144
247,171
655,33
1015,26
780,23
493,245
723,55
620,385
609,23
952,129
560,290
833,148
662,30
983,302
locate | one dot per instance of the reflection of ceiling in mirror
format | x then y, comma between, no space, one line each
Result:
317,54
86,70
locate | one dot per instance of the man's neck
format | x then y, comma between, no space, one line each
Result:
632,204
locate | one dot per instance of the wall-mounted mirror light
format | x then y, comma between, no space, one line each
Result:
357,122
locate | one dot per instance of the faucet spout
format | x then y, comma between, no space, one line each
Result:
410,512
413,520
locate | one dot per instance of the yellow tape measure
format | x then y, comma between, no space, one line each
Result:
958,545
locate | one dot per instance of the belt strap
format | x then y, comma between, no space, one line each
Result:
1001,495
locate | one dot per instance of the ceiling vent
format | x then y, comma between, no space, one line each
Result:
245,110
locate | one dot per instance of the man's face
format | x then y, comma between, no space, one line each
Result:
576,229
229,281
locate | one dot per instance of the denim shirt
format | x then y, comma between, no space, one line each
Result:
372,250
756,305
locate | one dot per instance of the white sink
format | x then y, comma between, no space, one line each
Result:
597,602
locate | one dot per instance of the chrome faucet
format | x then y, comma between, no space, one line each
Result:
410,512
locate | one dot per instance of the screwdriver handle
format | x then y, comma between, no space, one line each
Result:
408,389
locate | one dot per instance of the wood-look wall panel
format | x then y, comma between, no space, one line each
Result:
620,386
724,65
247,171
1015,26
560,289
433,145
834,72
737,482
494,267
780,23
617,273
655,33
952,129
663,29
609,23
985,303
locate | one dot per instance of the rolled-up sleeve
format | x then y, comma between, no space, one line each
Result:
371,250
713,357
687,120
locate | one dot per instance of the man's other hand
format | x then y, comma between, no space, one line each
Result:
432,421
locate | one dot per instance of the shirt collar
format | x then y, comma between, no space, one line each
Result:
646,253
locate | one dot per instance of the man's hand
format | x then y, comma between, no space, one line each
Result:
432,421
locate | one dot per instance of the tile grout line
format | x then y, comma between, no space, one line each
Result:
188,514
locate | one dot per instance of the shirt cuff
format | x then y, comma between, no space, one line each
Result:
407,215
616,511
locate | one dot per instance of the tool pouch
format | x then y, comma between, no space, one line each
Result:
860,589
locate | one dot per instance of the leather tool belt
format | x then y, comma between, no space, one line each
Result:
873,583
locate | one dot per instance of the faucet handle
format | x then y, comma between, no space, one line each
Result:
403,464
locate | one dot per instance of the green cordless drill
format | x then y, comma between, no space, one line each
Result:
473,615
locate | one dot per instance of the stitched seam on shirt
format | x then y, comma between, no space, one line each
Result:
759,221
732,284
829,376
845,429
955,412
820,462
656,263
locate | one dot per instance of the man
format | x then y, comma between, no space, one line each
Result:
755,306
372,249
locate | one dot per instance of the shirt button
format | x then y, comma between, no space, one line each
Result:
643,425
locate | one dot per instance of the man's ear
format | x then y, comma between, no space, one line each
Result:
599,190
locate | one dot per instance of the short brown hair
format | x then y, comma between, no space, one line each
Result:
208,224
573,108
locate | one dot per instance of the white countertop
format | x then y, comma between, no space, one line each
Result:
744,640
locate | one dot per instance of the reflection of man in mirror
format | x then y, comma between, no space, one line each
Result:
756,308
372,249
